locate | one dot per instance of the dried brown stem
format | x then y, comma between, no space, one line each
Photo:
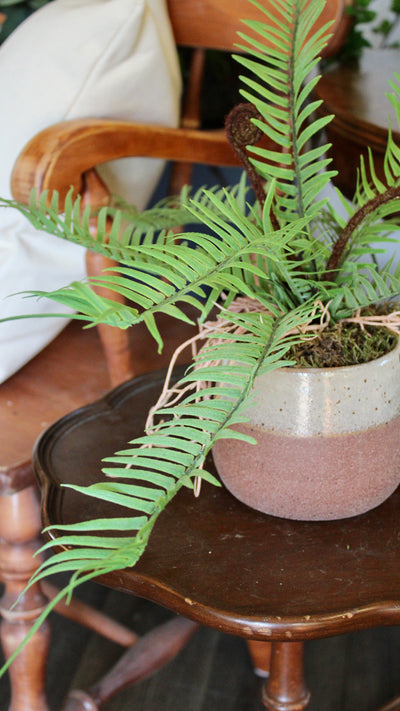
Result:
241,131
357,219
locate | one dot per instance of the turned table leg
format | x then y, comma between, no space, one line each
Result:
260,653
285,689
19,530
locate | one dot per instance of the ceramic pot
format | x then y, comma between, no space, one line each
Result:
328,441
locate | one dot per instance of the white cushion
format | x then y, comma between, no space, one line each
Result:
75,59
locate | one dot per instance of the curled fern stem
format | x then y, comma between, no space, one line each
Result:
358,218
241,131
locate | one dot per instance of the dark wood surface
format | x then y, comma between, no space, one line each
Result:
189,28
218,561
357,90
356,94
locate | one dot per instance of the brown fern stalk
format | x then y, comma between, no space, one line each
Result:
357,219
241,131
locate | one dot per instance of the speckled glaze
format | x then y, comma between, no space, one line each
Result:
328,441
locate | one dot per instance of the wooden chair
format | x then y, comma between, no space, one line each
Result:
60,156
291,581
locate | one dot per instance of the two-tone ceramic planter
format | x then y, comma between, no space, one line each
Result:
328,441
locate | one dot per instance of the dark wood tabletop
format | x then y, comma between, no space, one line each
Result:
355,93
356,90
219,562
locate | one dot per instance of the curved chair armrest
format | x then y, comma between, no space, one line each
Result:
66,154
57,157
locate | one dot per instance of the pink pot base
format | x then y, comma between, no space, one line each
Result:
312,478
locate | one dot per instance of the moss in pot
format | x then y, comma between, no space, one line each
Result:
279,271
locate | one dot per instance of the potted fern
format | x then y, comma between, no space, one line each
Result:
292,281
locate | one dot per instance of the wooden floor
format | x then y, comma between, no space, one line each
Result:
355,672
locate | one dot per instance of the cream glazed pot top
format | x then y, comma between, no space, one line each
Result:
329,401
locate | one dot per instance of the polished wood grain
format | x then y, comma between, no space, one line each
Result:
356,94
317,579
58,156
290,582
19,541
190,26
286,688
46,388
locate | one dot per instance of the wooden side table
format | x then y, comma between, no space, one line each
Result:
219,563
69,373
45,389
356,94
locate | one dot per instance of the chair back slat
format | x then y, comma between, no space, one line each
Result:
215,23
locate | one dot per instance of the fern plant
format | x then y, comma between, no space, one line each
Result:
289,255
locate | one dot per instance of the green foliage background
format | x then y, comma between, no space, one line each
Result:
17,11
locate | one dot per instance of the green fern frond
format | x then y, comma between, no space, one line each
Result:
369,185
280,92
172,454
158,276
128,226
358,286
375,207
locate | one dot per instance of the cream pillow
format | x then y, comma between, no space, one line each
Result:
75,59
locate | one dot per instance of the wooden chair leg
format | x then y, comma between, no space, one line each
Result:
150,653
260,653
89,617
19,530
285,689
